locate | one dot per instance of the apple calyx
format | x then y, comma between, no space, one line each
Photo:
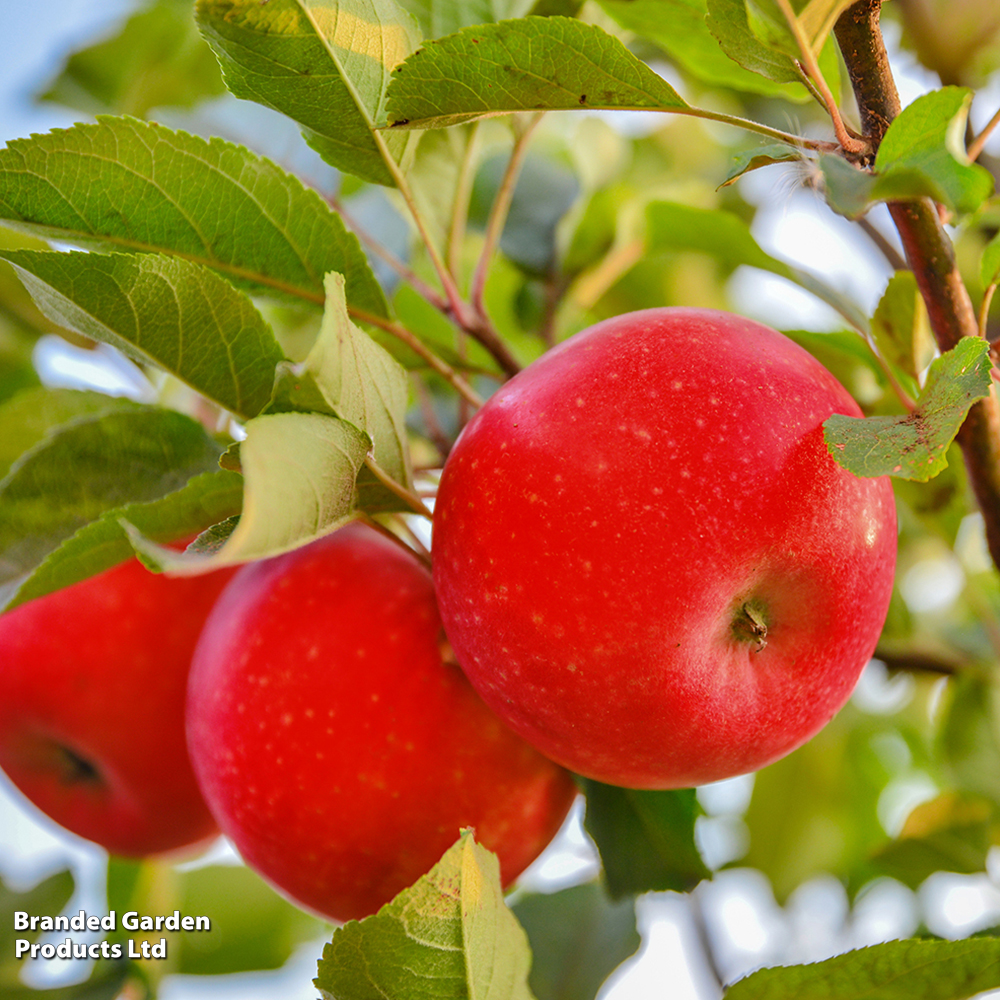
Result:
75,769
750,624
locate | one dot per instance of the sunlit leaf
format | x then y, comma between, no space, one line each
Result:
449,935
915,446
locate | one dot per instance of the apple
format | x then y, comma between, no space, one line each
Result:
93,680
339,747
646,560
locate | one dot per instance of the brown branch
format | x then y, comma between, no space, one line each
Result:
929,252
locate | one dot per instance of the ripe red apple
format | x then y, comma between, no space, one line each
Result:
646,560
93,680
338,746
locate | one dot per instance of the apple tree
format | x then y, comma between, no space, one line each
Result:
319,285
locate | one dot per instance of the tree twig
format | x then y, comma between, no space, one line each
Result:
929,252
976,146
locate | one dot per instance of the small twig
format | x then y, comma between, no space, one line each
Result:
977,144
434,429
407,496
893,257
421,554
499,212
460,204
415,540
848,143
441,367
984,309
384,253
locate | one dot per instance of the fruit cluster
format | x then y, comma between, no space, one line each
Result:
646,562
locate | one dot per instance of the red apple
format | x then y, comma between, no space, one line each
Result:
646,560
337,744
93,680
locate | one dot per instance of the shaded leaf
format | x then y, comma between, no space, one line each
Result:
204,501
970,736
763,156
449,935
323,63
531,64
915,446
300,471
578,937
131,185
646,839
901,328
896,970
729,22
444,17
989,263
180,316
157,59
349,376
926,138
679,28
130,454
46,898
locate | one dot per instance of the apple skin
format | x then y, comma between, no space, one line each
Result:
339,748
605,518
93,680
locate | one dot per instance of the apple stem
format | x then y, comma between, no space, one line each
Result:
750,625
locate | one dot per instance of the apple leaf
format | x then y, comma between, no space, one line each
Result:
727,237
762,156
578,937
530,64
679,28
646,839
950,833
47,897
729,22
927,139
897,970
126,454
901,328
204,501
449,935
915,446
156,59
136,186
989,263
300,472
178,315
323,63
28,416
348,375
444,17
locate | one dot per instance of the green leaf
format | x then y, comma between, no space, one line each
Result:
949,833
531,64
896,970
926,139
679,28
762,156
29,416
449,935
88,467
323,63
252,926
901,328
444,17
157,59
348,375
300,471
646,839
729,22
815,21
203,502
989,263
130,185
970,736
728,238
578,937
180,316
915,446
46,898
